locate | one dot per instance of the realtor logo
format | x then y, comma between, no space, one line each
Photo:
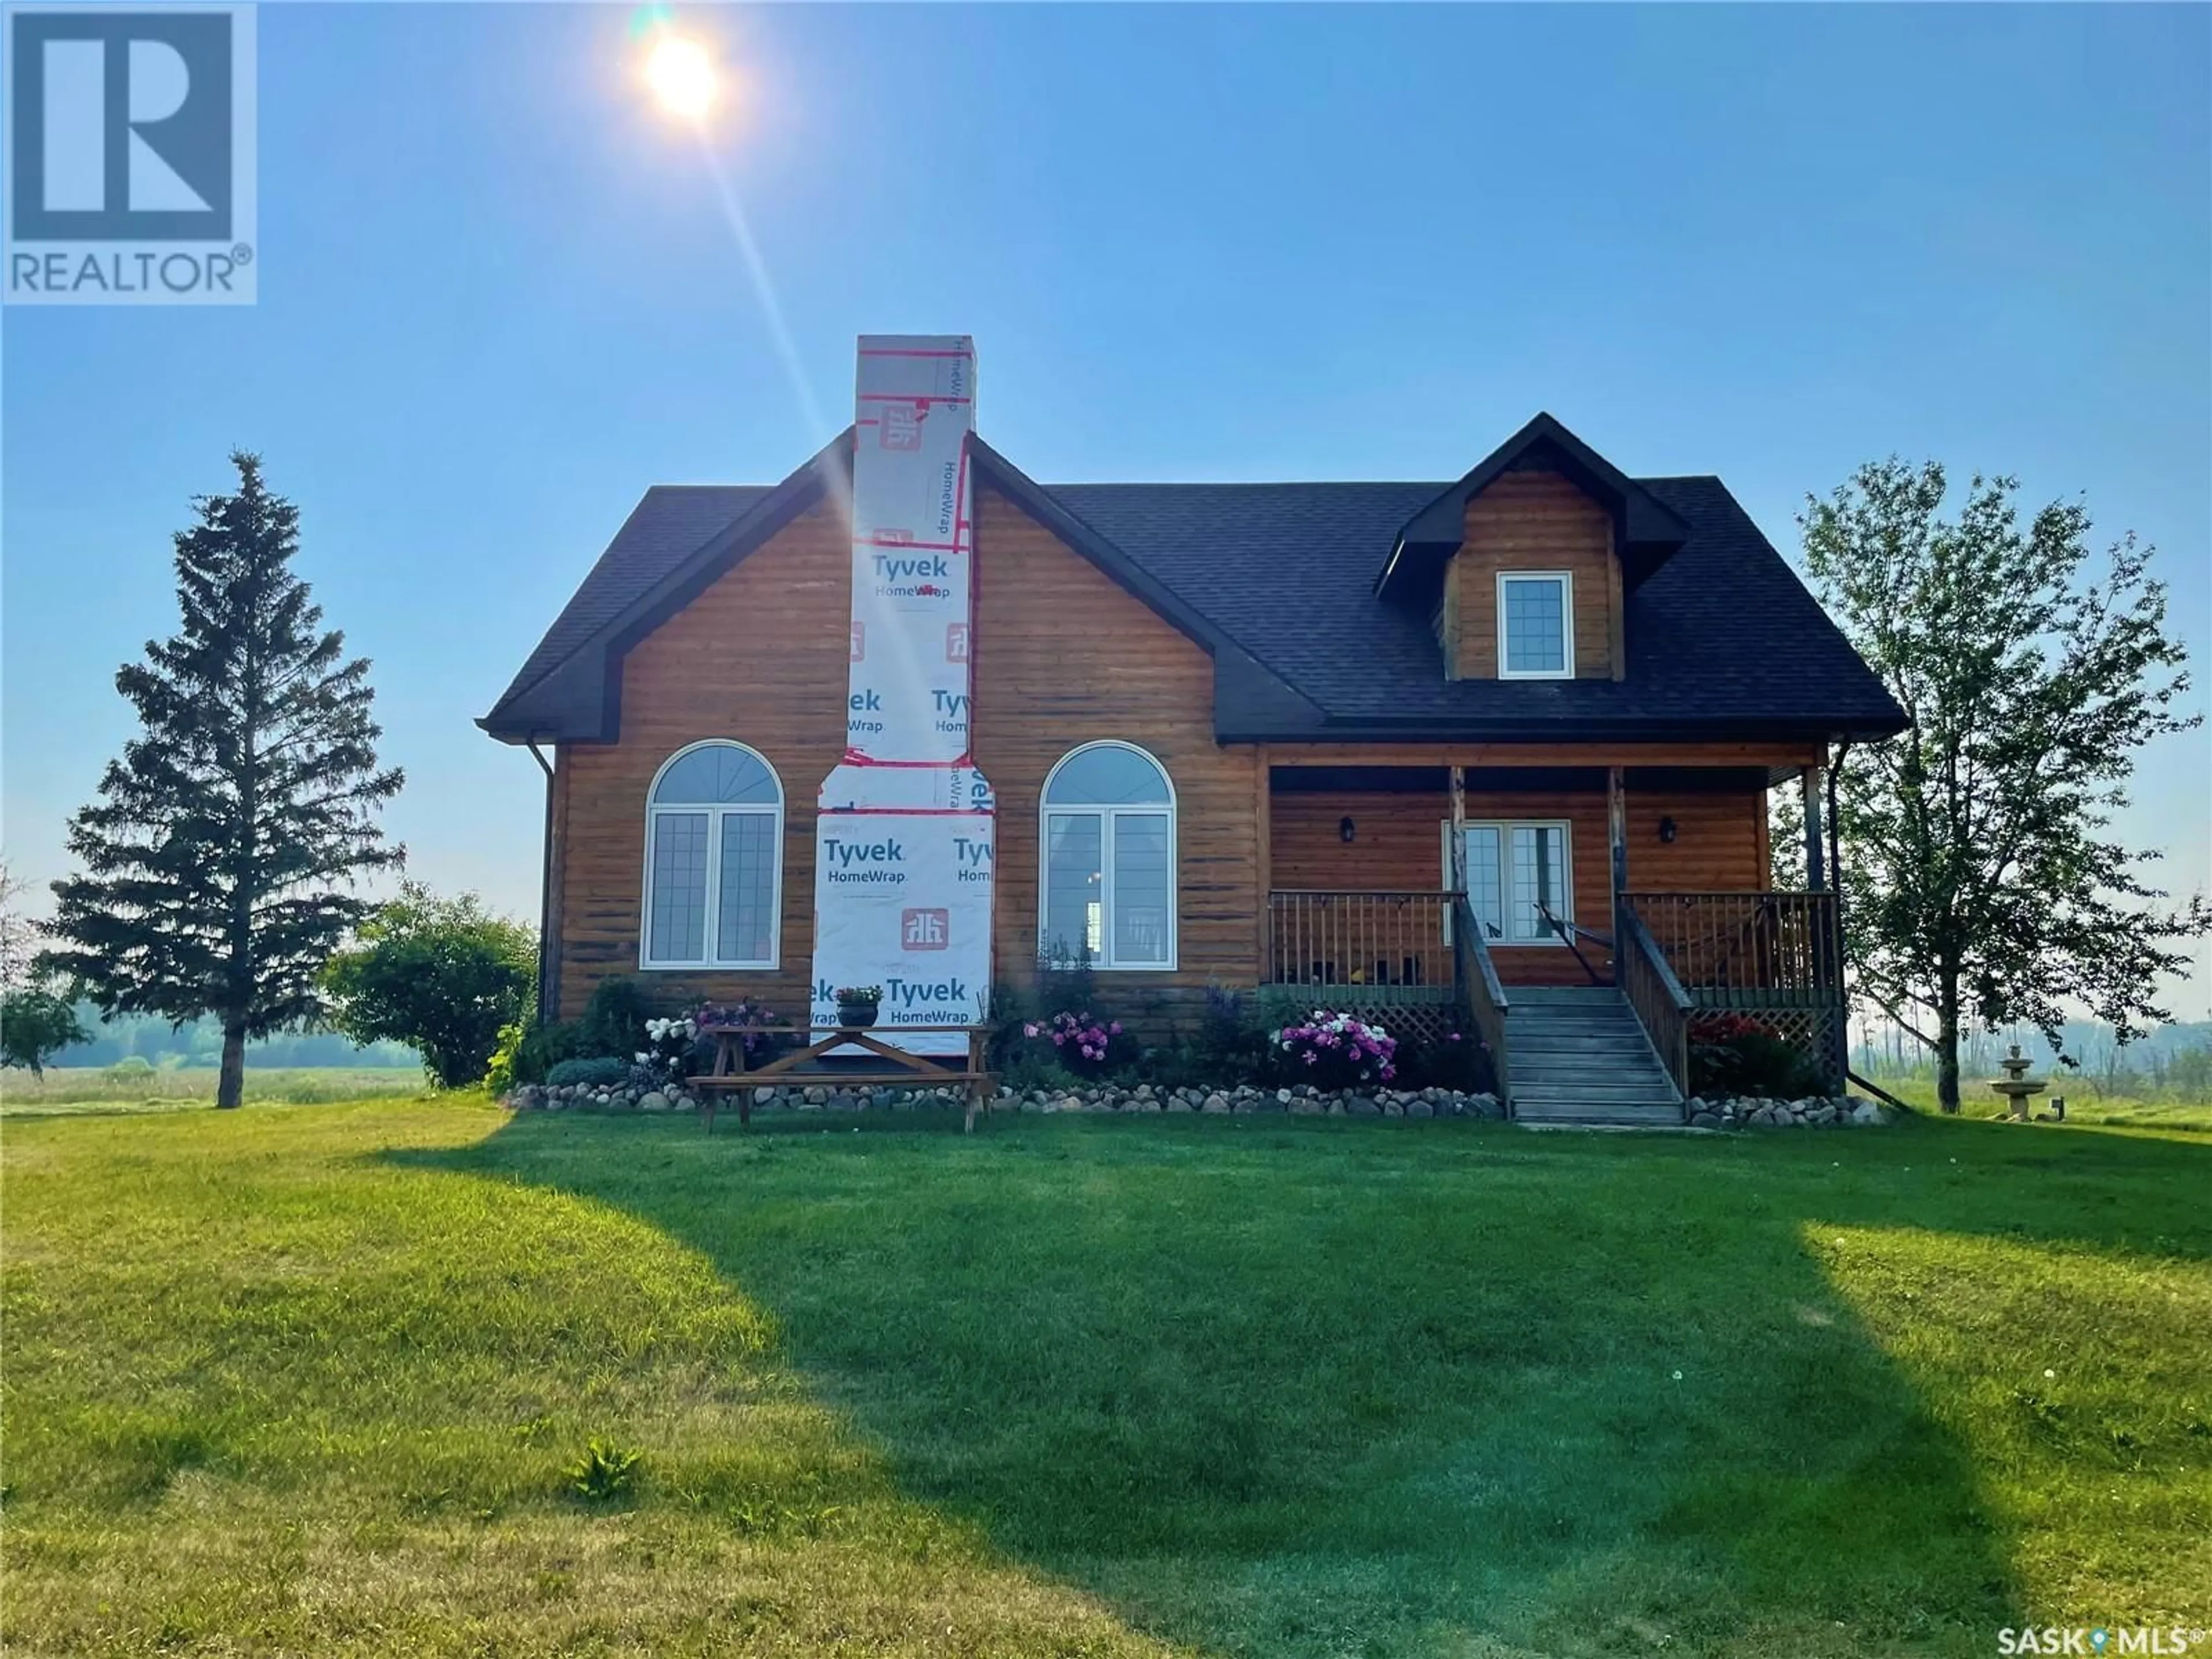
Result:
130,155
956,642
925,930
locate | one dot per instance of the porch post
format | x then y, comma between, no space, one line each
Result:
1456,852
1616,834
1816,873
1263,827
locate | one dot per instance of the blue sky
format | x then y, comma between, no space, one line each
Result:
499,297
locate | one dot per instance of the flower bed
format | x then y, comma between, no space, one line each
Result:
1302,1100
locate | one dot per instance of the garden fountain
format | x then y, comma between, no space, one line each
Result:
2015,1086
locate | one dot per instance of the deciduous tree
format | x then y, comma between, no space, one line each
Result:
1985,882
443,975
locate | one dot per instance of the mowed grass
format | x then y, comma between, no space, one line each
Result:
310,1381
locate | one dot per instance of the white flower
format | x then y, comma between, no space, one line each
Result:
643,1057
2050,1375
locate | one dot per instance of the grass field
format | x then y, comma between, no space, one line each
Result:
320,1380
2084,1104
78,1089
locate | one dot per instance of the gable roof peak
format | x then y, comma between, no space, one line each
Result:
1645,530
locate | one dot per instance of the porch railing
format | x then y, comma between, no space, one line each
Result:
1661,1003
1751,950
1388,941
1486,1002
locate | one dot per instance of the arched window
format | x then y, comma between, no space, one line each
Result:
1109,841
713,861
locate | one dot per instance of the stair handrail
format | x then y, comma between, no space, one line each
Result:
1566,931
1487,999
1656,996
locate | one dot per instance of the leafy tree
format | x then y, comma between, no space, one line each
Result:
36,1022
35,1025
442,974
218,856
1985,884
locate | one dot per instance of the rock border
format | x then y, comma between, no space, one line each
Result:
1816,1112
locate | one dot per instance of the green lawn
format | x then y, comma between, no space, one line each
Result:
308,1380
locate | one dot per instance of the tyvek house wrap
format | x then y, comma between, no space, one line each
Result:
904,845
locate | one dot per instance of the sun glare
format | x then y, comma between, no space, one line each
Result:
682,76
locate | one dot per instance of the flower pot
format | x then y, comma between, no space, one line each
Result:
856,1016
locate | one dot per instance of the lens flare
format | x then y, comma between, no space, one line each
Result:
682,76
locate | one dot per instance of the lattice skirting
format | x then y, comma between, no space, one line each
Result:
1815,1030
1410,1013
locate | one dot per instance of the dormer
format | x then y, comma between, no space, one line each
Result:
1525,564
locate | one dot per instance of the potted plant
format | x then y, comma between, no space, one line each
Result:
857,1005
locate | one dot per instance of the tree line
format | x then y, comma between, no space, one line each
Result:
1983,883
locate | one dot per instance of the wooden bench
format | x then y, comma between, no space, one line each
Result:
900,1069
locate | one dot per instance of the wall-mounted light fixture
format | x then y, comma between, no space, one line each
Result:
1346,829
1667,829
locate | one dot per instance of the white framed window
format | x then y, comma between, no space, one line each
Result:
1106,859
1516,871
1536,625
713,861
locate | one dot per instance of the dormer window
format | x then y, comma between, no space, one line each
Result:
1536,625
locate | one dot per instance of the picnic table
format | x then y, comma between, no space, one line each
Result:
899,1070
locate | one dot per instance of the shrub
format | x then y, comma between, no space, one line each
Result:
1027,1070
444,976
499,1077
1230,1046
1337,1051
613,1026
1736,1055
1085,1044
594,1072
544,1046
1452,1062
131,1068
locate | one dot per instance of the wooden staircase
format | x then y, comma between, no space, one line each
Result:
1580,1056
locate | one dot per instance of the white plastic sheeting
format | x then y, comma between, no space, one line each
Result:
904,846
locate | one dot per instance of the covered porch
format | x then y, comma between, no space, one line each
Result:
1435,890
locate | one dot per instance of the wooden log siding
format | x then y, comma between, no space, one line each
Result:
760,657
1063,657
1398,844
1066,656
1532,521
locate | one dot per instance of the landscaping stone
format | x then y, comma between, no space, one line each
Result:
1215,1103
654,1101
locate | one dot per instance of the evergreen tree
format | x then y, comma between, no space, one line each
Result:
1983,884
219,859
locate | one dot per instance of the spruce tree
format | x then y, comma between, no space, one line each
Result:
220,858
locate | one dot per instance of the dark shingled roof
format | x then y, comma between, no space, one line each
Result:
1722,637
671,524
